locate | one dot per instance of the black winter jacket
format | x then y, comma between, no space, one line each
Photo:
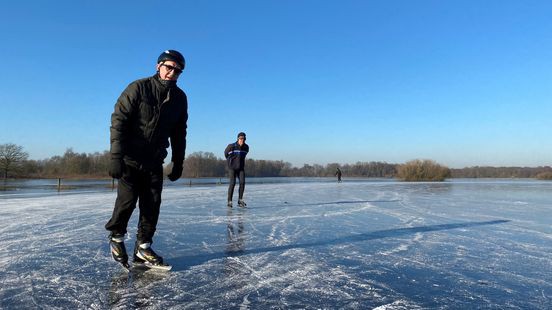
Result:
235,155
146,116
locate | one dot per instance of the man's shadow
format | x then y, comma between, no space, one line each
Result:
184,262
341,202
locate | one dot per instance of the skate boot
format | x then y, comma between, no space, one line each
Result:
135,259
241,203
150,259
229,204
118,250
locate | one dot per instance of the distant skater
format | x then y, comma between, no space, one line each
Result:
149,113
338,173
235,156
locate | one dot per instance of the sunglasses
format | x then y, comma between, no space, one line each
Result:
172,68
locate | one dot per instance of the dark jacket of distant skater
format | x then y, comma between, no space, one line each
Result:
235,156
338,174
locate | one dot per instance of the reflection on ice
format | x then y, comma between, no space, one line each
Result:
358,245
133,290
235,233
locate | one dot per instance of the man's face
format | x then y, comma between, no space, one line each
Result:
241,141
169,70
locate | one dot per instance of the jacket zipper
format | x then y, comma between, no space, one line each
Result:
152,134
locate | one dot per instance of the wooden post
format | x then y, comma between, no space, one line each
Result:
190,182
59,184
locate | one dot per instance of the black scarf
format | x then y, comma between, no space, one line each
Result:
166,83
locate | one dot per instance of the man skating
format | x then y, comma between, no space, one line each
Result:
149,113
338,174
235,156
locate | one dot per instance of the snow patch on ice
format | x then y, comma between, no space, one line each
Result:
398,305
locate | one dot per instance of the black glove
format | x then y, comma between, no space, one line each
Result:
116,168
176,171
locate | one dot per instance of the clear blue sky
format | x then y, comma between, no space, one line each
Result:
464,83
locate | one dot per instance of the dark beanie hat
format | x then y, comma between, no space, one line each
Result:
241,134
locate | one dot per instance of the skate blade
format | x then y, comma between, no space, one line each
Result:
126,266
163,267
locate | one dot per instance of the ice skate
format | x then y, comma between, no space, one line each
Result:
137,261
145,255
241,203
118,249
229,204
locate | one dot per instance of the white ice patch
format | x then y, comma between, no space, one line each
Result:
398,305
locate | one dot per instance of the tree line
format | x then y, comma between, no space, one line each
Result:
502,172
14,163
206,164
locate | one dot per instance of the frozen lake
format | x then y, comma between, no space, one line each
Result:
461,244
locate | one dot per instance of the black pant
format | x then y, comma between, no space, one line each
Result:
232,174
138,185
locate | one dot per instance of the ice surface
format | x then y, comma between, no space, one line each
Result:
311,245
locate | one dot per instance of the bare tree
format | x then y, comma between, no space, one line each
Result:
11,157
